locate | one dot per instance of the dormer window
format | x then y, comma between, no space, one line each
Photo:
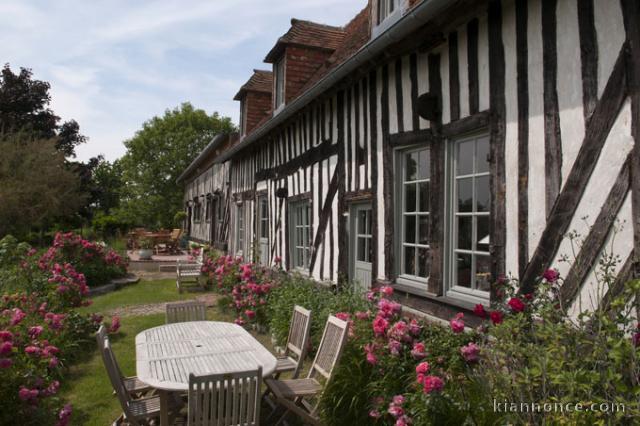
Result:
388,12
385,8
279,83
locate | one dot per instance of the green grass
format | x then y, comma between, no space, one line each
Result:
86,384
139,294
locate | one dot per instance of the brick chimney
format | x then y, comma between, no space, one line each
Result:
298,55
255,100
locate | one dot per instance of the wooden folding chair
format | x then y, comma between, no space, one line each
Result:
294,394
136,412
297,343
186,311
190,272
132,384
225,399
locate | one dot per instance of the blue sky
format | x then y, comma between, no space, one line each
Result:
114,64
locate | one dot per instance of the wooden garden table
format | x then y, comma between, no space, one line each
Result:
166,355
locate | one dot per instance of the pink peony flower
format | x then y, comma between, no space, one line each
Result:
457,324
64,415
5,363
398,330
17,317
380,326
395,410
394,347
414,327
470,352
496,317
375,414
636,339
6,348
362,315
343,316
403,420
35,331
115,324
32,350
250,314
398,399
239,321
53,362
516,304
480,311
419,351
423,368
432,384
551,275
6,336
371,358
386,290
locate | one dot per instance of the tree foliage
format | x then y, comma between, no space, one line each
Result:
155,158
36,187
24,107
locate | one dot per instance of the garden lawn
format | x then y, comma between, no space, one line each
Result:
87,385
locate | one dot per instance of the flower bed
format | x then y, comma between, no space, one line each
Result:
40,333
400,371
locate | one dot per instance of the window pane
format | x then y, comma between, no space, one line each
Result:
465,195
368,231
483,272
424,196
424,262
409,260
482,153
410,229
410,197
424,170
464,158
465,232
463,269
362,249
362,222
483,194
369,250
411,166
483,240
423,234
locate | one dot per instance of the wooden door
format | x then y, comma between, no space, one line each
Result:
263,230
361,245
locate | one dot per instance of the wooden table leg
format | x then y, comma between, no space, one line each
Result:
164,407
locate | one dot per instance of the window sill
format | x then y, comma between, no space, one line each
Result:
457,299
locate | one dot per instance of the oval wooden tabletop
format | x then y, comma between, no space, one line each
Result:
166,355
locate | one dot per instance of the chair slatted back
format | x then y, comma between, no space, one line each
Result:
298,339
115,376
225,399
332,344
186,311
176,233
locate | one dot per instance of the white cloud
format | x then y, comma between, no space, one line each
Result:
113,64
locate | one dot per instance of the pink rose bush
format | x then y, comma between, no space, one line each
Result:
41,332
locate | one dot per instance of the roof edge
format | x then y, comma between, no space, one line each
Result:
215,142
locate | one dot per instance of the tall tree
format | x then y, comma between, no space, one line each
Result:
157,155
24,107
36,186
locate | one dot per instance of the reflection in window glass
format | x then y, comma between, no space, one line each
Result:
415,201
301,229
471,210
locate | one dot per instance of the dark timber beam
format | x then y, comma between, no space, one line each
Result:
497,137
324,217
596,133
411,138
470,123
588,56
522,68
631,13
552,137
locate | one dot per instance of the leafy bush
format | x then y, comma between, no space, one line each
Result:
98,264
40,333
108,225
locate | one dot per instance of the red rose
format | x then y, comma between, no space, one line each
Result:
479,311
516,304
496,317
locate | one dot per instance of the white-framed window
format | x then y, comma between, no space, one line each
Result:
197,210
279,83
469,217
219,217
263,219
240,228
387,13
413,215
300,218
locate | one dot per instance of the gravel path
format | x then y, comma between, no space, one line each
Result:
156,308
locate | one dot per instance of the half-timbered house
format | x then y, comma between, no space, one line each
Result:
434,145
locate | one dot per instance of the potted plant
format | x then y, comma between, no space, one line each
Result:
146,248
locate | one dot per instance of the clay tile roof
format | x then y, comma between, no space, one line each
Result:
260,81
307,33
356,34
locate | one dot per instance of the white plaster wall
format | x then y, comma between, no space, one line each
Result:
537,205
569,84
511,139
620,242
618,145
483,63
444,74
407,105
423,82
610,36
463,71
380,183
393,104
